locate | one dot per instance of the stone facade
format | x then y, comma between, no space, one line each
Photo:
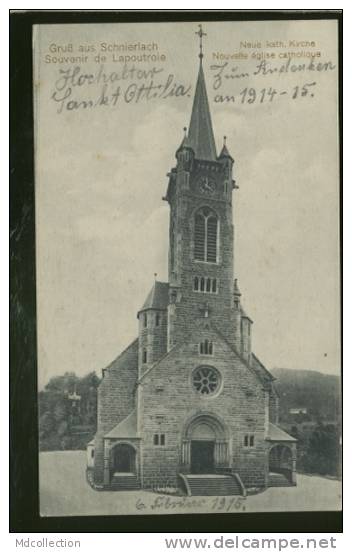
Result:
188,395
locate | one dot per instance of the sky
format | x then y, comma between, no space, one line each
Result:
101,224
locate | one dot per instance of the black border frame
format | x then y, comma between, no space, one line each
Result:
24,489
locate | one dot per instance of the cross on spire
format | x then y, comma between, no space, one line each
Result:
200,33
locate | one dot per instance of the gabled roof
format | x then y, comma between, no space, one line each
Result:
112,364
185,143
260,369
225,152
127,429
200,134
277,434
245,315
158,297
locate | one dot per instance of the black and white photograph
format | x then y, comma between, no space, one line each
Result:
187,196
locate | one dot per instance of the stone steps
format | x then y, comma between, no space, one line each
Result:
278,480
213,486
124,482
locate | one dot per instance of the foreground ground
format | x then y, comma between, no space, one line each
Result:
65,492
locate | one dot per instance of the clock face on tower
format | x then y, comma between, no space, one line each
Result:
206,185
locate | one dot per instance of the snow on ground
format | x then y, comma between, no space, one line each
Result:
64,491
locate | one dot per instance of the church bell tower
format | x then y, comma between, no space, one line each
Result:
201,232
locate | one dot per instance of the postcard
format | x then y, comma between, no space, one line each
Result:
187,263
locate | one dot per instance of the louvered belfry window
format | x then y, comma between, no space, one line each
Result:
205,236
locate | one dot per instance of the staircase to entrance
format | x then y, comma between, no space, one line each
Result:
278,480
212,484
124,482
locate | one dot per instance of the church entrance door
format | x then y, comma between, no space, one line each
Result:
124,459
202,457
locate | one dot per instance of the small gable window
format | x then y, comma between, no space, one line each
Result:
206,347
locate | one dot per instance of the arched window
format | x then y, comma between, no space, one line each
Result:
206,235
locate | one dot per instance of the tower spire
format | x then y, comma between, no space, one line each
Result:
200,33
200,134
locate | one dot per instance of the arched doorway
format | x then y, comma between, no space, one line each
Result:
205,445
281,462
123,458
202,449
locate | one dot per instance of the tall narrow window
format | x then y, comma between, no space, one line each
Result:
206,236
199,237
144,356
157,319
212,237
206,347
145,320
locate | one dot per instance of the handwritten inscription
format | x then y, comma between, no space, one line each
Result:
224,75
171,503
224,72
130,85
75,89
250,95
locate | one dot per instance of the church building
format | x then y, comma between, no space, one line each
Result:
188,405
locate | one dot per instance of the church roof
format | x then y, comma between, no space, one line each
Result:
127,429
260,369
158,297
185,143
200,134
225,152
245,315
256,367
277,434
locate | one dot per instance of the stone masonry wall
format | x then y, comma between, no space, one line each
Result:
168,401
116,399
185,201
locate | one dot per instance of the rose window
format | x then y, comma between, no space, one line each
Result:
205,380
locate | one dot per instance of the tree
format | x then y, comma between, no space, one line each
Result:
61,424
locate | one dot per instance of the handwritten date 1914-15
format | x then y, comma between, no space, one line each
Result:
250,95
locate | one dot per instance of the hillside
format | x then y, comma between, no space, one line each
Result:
318,393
